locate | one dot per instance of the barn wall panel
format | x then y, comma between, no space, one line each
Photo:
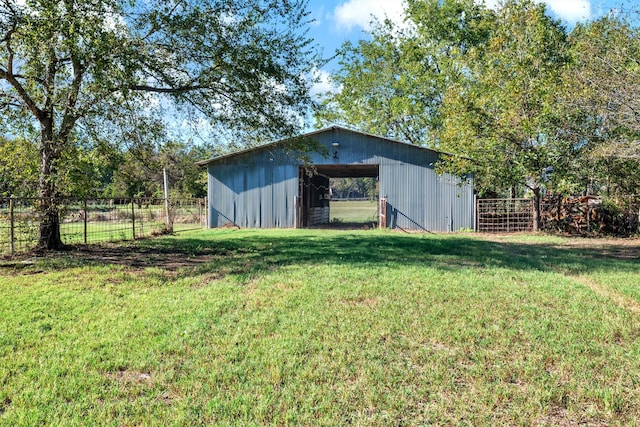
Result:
244,193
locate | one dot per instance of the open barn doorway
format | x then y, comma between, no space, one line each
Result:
339,196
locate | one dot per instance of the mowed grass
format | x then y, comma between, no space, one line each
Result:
295,327
354,211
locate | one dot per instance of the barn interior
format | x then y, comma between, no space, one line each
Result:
315,206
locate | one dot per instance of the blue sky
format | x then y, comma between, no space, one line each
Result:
336,21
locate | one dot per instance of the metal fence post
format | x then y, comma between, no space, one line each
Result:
474,214
12,239
85,220
167,203
133,219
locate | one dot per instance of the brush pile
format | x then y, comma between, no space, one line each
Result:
588,216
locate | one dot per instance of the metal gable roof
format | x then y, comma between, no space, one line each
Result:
309,135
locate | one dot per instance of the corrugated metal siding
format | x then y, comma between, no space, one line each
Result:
258,188
250,193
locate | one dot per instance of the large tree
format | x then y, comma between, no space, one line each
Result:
67,67
509,115
393,83
607,79
606,87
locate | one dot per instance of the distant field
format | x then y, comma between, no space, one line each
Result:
318,327
361,211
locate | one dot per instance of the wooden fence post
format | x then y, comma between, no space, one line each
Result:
12,239
382,219
133,219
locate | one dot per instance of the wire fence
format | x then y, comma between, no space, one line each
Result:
84,221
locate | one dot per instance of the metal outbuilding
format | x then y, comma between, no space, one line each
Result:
277,186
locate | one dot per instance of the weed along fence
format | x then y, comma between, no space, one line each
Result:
573,215
97,220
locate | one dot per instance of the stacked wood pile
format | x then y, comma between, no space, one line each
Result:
588,215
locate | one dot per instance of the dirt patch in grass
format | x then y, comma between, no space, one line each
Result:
142,257
361,301
4,405
624,249
207,279
133,257
603,247
127,376
560,417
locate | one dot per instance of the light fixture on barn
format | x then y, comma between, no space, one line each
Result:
335,144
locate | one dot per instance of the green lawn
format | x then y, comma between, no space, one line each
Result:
317,327
354,211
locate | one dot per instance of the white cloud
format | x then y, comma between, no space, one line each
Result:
360,13
352,14
323,83
491,4
571,11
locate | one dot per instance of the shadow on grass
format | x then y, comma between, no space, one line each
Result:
251,252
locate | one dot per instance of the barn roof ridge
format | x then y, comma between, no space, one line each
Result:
310,134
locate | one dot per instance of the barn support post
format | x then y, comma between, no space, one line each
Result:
12,236
382,219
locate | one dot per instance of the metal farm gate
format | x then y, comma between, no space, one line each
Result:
504,215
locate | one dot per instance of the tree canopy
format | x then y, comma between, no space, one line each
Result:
393,84
509,110
73,71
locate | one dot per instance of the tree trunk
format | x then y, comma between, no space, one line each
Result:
536,209
49,231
